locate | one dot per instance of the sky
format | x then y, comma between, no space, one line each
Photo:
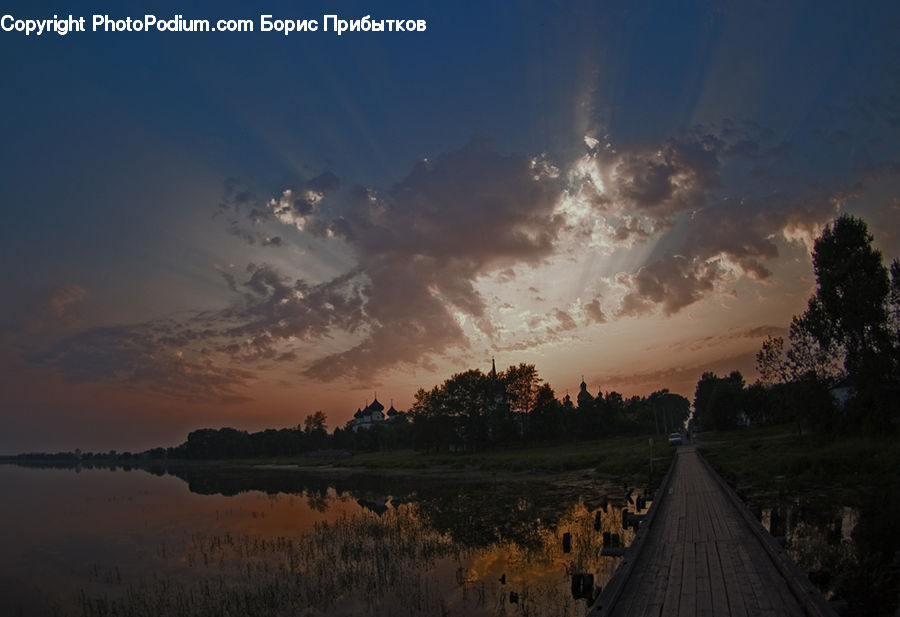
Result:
204,229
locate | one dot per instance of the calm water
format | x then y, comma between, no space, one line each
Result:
282,542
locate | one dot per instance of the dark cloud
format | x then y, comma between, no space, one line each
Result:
671,179
672,283
423,243
236,229
324,183
245,210
192,359
297,206
655,181
408,325
757,333
566,323
719,236
594,312
531,343
274,309
506,275
734,237
420,246
137,356
681,379
631,228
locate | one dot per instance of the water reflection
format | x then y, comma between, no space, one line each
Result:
288,543
851,553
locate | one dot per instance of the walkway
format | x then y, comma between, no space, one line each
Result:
700,553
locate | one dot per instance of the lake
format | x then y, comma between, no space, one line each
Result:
283,541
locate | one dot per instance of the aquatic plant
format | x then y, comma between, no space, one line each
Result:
366,564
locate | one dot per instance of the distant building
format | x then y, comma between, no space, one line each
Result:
584,397
842,391
373,415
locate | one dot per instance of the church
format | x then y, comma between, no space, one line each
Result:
372,415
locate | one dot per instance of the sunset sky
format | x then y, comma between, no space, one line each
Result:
239,229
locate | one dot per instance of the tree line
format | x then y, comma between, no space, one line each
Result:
470,411
474,411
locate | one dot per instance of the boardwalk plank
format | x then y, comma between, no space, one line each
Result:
704,588
721,604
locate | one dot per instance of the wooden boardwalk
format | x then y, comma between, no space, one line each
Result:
700,552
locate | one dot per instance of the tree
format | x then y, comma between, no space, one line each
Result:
848,318
894,296
547,419
670,411
521,387
770,361
852,291
850,333
315,430
718,401
315,423
894,323
813,355
462,411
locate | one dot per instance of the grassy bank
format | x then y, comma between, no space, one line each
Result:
616,456
773,459
613,456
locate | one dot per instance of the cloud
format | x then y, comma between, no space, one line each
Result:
274,310
713,235
138,356
420,252
45,314
653,181
420,246
424,242
673,283
594,312
245,210
566,323
663,181
727,240
755,333
681,379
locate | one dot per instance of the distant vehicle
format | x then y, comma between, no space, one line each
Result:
675,439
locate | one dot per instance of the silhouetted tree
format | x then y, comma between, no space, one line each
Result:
670,411
315,430
771,362
718,402
848,331
852,288
548,423
522,384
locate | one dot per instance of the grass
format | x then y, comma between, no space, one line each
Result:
771,457
394,564
615,456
